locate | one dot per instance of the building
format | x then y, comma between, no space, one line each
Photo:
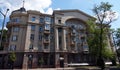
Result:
42,40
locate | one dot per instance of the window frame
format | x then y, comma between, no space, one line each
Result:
16,29
33,27
33,18
14,37
32,36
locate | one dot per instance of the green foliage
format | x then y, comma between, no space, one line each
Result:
12,56
94,40
41,61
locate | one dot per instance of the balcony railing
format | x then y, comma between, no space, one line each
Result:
46,50
47,31
13,23
46,41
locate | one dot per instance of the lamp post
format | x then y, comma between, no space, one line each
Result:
4,15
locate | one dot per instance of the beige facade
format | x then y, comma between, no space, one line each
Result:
54,40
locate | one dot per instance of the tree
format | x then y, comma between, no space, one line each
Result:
104,16
41,61
94,41
12,58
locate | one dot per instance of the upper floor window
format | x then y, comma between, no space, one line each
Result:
51,30
40,37
14,38
40,29
32,36
32,27
85,48
15,20
41,20
31,46
33,18
46,46
15,29
59,21
52,20
47,27
12,47
48,19
59,29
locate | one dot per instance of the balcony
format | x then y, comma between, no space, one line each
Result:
46,50
9,24
46,31
85,49
46,41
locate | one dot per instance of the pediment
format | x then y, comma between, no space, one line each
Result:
68,14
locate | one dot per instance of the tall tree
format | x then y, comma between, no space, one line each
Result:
94,41
104,16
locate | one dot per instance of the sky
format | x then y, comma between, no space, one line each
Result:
47,6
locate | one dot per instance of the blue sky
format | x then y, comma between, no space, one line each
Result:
47,6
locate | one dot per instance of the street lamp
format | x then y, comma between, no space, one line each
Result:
4,15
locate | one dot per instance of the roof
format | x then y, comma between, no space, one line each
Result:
72,10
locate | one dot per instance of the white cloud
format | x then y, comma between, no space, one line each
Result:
57,9
49,11
38,5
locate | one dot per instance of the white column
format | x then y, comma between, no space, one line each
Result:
56,39
64,38
27,40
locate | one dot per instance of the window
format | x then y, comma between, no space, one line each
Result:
51,37
46,36
59,21
15,29
45,46
30,47
14,38
51,30
15,20
12,47
40,37
40,29
47,19
60,40
85,48
40,47
47,27
33,19
32,36
83,39
41,20
52,20
59,29
32,27
74,31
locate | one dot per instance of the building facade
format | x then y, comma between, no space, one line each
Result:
42,40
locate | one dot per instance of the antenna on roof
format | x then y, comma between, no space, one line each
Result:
23,3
